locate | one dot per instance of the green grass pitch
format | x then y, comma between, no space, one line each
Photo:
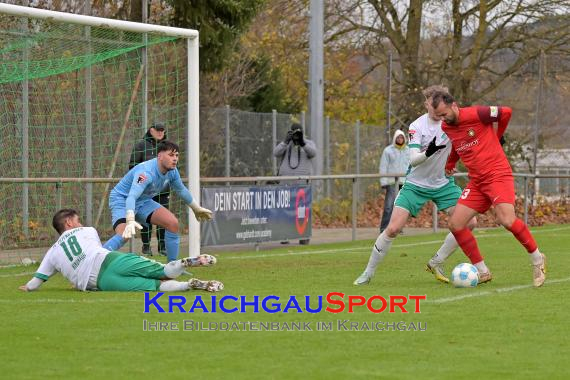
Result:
504,329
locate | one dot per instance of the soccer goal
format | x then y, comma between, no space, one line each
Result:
77,92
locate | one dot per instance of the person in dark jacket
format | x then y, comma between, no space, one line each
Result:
144,150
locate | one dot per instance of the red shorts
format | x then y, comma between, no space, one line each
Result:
481,196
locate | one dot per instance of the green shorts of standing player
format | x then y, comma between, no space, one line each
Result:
410,201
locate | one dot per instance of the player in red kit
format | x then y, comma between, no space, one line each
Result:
491,181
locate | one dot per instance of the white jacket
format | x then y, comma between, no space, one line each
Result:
395,160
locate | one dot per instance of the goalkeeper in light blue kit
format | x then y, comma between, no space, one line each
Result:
131,200
426,181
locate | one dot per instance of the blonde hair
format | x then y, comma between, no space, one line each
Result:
429,91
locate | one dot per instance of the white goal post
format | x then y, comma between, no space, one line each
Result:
192,117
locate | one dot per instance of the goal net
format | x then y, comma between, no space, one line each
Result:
77,93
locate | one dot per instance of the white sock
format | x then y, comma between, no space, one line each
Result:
447,248
379,251
173,286
481,267
174,269
536,257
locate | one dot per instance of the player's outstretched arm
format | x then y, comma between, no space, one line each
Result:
32,285
417,157
201,213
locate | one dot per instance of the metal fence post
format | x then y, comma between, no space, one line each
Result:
525,180
354,205
58,190
227,141
274,137
389,98
357,145
328,152
434,218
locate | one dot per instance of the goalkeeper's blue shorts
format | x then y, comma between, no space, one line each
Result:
143,208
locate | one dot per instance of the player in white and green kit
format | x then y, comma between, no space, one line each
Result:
425,181
79,256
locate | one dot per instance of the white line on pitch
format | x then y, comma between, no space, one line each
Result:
69,300
493,292
17,274
429,242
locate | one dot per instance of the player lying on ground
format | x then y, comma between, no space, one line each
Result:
491,181
426,181
79,256
131,200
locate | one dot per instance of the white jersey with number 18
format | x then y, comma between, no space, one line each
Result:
73,255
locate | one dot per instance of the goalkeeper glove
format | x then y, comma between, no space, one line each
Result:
201,213
132,226
432,148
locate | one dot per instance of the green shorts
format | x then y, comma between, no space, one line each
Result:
129,272
413,198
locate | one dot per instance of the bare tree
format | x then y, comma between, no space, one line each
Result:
472,46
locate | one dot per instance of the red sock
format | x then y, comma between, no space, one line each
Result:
468,244
523,235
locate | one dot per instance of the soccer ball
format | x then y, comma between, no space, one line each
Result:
464,276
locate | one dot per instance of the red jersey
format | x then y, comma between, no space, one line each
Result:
474,141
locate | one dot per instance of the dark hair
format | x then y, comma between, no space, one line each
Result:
441,96
58,221
167,146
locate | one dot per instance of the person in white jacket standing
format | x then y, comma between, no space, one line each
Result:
395,160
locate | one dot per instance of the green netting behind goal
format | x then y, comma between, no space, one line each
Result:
46,69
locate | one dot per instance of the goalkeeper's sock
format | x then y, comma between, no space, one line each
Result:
447,248
523,235
379,251
174,269
468,244
173,286
172,243
114,243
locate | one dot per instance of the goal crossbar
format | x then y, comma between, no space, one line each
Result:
129,26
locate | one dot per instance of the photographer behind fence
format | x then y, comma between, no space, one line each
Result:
296,154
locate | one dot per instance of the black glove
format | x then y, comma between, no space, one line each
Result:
502,140
432,148
289,137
